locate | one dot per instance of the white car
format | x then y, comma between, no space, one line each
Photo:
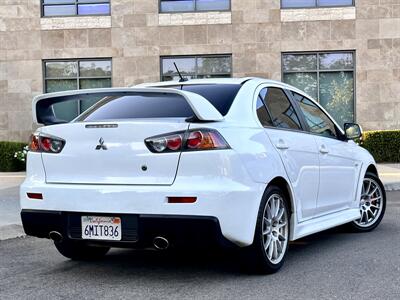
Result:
248,163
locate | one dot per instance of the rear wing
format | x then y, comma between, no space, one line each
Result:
43,110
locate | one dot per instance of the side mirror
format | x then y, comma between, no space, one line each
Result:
353,131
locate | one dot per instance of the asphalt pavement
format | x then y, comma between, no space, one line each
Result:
334,264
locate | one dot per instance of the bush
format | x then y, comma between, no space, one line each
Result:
8,161
384,145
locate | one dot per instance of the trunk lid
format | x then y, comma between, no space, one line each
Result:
112,153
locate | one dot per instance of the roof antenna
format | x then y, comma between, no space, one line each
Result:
180,75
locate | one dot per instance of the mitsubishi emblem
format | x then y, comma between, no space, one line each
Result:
101,145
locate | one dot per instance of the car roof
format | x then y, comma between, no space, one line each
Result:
221,81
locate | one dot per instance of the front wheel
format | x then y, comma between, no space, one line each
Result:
372,204
76,250
268,251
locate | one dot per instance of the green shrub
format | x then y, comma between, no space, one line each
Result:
384,145
8,161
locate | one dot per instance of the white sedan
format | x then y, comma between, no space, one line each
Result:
249,163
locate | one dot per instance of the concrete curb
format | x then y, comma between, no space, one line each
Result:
11,231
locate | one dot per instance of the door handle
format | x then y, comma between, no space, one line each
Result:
282,145
323,149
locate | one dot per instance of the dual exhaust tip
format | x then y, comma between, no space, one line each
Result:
159,242
56,236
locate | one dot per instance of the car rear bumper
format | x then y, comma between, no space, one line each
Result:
138,231
232,204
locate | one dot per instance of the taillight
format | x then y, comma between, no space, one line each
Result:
45,143
193,140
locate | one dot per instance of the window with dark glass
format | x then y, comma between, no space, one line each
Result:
63,75
317,121
262,113
191,67
328,77
315,3
281,110
57,8
194,5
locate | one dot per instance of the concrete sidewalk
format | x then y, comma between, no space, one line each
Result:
390,176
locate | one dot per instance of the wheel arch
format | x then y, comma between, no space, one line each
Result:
372,169
284,185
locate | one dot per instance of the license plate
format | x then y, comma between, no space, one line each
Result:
101,228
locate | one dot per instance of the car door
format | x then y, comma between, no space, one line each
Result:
297,149
339,169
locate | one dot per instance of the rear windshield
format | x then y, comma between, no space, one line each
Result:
156,105
137,106
220,95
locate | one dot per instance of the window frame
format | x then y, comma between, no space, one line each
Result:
192,11
42,6
340,134
316,5
78,77
196,56
318,71
303,128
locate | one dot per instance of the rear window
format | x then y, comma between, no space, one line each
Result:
138,106
156,105
220,95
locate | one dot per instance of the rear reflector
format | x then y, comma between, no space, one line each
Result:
38,196
182,199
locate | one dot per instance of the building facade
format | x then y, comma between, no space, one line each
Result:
344,53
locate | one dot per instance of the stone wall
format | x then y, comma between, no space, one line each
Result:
255,32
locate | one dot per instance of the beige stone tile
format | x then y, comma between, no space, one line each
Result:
99,37
389,28
171,35
293,31
146,36
19,86
195,34
341,30
244,33
3,120
148,6
77,38
148,66
320,30
220,34
52,39
374,12
367,29
20,120
243,63
269,32
134,20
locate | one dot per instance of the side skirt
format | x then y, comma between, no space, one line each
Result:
325,222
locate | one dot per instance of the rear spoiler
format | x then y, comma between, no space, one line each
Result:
43,113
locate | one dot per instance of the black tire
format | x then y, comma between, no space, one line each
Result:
355,225
76,250
255,256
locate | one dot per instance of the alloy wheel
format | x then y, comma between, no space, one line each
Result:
275,229
371,203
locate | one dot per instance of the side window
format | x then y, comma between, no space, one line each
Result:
281,110
262,112
316,119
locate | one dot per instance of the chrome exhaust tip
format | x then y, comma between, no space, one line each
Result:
160,243
56,236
